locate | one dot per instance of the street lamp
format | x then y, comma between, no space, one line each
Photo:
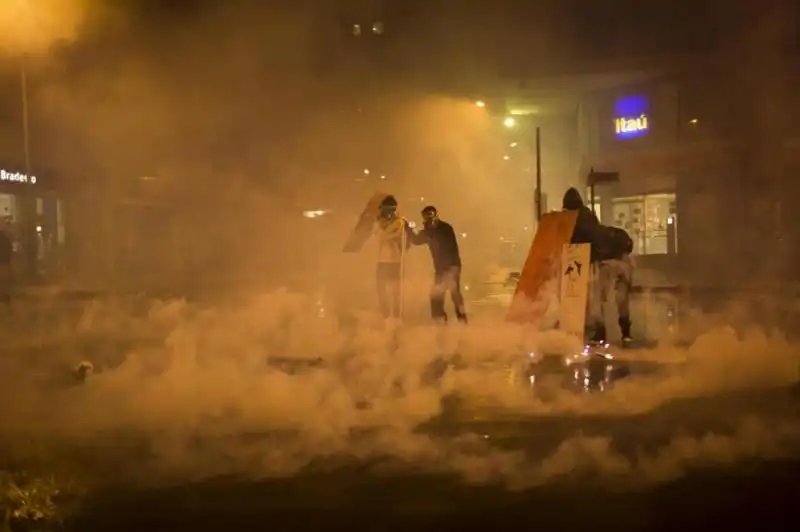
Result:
480,103
29,28
510,122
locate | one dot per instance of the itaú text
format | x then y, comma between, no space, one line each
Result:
630,125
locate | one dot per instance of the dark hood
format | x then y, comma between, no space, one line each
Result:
572,200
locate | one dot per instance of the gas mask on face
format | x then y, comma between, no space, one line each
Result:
387,212
388,208
429,217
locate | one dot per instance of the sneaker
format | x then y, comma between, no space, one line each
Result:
598,335
627,341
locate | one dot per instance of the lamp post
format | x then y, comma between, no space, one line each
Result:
19,21
29,210
511,122
29,28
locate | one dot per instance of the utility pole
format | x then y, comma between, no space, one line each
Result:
29,210
597,178
538,193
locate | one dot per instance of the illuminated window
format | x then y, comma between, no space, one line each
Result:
647,220
377,28
357,29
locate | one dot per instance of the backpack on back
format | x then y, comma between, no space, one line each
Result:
615,242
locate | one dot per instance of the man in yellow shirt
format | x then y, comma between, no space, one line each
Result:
393,242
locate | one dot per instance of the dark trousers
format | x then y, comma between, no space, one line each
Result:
387,278
448,280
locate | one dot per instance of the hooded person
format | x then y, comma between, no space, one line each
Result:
611,266
393,235
587,225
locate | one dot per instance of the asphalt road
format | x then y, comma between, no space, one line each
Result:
753,497
729,458
716,487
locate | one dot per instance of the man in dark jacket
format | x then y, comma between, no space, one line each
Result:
614,274
612,268
441,240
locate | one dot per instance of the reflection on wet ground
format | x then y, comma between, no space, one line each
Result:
369,496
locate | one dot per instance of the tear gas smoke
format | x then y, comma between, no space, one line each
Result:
241,121
33,27
265,388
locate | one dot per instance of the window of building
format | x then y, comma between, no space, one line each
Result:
647,219
357,30
377,28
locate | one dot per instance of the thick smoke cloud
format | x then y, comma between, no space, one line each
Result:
241,130
232,122
33,28
267,387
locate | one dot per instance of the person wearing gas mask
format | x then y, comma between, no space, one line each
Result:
440,238
393,235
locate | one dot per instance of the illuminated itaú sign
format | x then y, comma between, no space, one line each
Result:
631,117
630,125
16,177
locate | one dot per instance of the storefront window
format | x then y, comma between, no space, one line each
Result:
49,228
646,219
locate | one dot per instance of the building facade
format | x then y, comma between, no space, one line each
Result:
705,168
33,215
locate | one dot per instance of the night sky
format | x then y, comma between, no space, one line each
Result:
448,44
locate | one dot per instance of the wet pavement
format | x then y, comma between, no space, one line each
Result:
366,495
740,485
729,483
756,497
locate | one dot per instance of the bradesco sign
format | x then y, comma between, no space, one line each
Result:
16,177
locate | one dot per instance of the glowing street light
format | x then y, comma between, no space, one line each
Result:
480,103
510,122
30,28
